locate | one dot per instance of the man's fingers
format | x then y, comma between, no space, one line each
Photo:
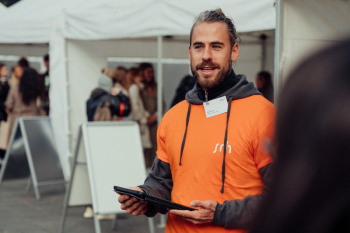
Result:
123,198
184,213
140,210
133,207
203,204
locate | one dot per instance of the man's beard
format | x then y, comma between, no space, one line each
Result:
206,84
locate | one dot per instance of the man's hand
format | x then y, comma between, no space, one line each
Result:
203,215
132,205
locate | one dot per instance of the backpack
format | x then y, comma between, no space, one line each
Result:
112,108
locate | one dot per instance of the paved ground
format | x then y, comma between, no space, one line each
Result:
20,212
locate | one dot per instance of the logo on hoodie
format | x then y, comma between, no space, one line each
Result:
221,146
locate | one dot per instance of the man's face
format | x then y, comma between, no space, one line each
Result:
18,71
211,54
148,75
47,65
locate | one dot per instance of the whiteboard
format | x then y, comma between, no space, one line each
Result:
114,156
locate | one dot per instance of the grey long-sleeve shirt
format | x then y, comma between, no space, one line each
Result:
231,214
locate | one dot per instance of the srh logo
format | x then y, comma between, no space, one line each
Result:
222,145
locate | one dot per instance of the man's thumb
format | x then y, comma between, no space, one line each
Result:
196,203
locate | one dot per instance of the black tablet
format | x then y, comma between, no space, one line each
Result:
151,199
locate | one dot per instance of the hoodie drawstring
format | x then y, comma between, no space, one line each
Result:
184,139
225,142
225,146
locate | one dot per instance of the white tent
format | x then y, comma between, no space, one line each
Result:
305,26
85,38
2,8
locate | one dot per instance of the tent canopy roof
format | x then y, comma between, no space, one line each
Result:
29,21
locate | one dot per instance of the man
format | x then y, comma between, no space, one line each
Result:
45,101
218,163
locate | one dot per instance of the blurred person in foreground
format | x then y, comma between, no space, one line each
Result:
138,112
264,85
218,164
104,87
21,100
149,98
311,187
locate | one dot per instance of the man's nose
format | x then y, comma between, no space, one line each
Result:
207,55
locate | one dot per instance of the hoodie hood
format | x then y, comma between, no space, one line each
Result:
240,90
105,83
97,92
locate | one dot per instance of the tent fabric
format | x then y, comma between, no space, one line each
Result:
146,18
2,7
309,25
29,21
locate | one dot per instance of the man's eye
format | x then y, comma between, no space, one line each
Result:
198,46
216,46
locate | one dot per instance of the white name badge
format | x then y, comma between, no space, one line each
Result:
215,107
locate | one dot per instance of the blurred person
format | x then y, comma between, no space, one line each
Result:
310,191
16,74
23,62
104,87
217,163
4,89
264,85
149,98
21,100
139,113
120,82
186,84
45,79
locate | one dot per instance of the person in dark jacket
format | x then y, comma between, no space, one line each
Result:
310,191
104,87
186,84
212,148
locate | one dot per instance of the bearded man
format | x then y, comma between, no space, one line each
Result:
212,146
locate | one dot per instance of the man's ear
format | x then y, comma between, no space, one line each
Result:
234,52
189,52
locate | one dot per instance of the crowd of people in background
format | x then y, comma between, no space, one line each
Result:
23,92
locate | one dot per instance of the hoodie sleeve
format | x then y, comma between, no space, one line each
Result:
240,213
158,183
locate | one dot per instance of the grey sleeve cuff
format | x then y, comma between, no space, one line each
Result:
158,183
240,213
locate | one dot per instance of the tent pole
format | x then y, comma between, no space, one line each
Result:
277,50
159,79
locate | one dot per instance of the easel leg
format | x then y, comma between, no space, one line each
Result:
151,225
97,224
29,184
37,193
114,223
162,222
3,164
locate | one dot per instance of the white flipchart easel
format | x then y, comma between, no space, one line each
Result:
44,164
106,154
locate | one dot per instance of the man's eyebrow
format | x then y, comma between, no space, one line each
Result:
197,43
217,42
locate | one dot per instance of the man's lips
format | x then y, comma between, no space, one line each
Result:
207,70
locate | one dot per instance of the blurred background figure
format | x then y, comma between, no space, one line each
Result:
103,88
16,74
4,89
311,190
149,98
45,101
21,100
119,80
264,85
139,113
186,84
23,62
